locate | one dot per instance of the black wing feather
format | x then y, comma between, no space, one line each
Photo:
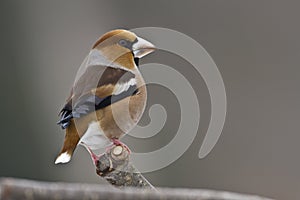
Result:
82,101
90,103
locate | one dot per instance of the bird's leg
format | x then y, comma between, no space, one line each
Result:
94,157
117,142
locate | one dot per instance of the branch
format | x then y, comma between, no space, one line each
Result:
19,189
115,167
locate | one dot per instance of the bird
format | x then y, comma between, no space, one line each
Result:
109,87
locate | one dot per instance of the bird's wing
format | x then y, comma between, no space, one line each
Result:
98,87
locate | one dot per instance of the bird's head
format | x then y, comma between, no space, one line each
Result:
123,47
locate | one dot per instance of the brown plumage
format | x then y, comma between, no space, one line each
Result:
96,112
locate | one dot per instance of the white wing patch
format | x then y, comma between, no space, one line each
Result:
122,87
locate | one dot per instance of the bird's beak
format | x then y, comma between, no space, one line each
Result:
142,47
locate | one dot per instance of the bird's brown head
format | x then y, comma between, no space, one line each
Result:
122,47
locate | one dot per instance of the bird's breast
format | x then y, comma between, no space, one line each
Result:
122,116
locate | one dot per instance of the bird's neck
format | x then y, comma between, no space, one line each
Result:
126,60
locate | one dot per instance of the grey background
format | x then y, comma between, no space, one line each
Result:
254,43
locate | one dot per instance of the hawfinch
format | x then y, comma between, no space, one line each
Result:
109,87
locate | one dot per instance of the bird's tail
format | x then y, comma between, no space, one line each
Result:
70,143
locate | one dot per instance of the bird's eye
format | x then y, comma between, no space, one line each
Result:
123,43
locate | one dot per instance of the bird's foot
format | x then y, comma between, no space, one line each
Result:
117,142
94,157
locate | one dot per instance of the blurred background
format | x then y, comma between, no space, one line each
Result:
255,45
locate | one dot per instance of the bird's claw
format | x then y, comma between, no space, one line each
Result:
117,142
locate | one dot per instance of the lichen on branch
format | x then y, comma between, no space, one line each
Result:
115,167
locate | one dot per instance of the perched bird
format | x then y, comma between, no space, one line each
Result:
109,88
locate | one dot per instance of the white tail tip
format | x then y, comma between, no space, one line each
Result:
63,158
